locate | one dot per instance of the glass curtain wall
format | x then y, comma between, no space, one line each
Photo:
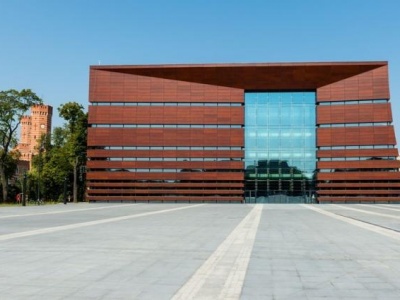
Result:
280,146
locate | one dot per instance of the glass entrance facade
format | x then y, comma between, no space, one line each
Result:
280,146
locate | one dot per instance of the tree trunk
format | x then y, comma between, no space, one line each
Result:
3,180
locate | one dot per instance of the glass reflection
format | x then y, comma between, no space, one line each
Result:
280,146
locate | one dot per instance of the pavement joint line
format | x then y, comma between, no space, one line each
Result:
379,206
16,235
377,225
377,229
367,212
244,234
393,205
65,211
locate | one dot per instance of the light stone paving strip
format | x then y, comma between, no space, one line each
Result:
383,231
367,212
222,274
66,211
392,205
380,207
298,253
11,236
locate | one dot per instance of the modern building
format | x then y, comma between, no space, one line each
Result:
33,126
267,132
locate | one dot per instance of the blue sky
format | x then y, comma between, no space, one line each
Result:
48,45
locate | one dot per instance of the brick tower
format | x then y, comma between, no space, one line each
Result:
32,128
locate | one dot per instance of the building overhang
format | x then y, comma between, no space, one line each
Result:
253,76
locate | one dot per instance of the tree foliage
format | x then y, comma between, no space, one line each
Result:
13,105
56,163
73,113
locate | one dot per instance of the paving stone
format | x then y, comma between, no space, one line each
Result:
150,251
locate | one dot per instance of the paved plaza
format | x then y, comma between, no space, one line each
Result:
200,251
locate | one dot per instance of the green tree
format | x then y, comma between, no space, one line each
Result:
62,157
13,105
57,166
43,148
75,146
11,163
73,113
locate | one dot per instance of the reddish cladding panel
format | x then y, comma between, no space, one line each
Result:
165,115
155,191
382,135
358,153
99,84
262,76
348,185
188,176
117,87
176,199
373,84
232,80
358,192
172,185
100,153
362,164
201,165
165,137
370,83
359,176
354,113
